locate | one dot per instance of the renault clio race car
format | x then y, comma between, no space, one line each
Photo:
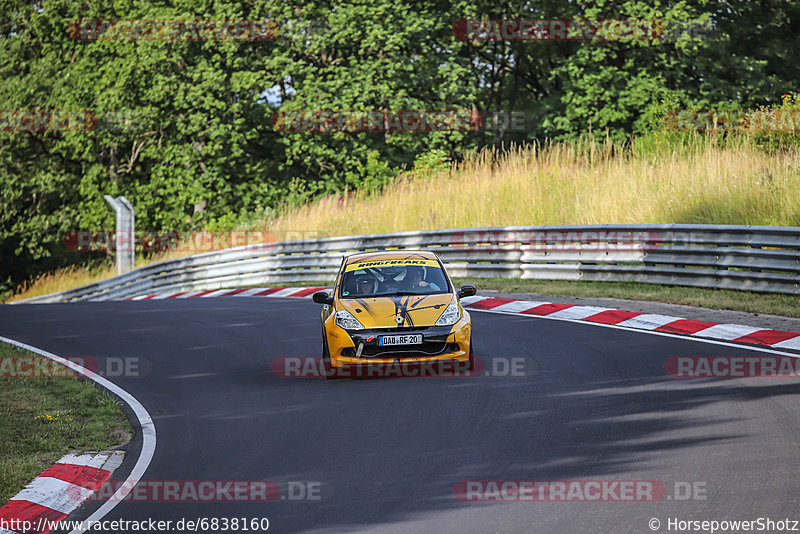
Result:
394,307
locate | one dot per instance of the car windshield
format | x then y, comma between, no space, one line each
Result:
393,277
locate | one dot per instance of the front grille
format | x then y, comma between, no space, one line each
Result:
434,341
427,348
399,329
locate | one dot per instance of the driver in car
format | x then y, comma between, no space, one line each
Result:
363,286
414,281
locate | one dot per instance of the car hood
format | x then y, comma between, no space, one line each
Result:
381,312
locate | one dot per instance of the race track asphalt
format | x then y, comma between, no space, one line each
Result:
594,404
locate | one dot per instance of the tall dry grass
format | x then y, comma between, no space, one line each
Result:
566,184
76,276
555,183
61,280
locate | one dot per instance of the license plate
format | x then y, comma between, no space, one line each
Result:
406,339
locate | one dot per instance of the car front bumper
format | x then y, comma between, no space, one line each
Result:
440,343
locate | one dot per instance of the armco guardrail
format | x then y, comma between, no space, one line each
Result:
758,258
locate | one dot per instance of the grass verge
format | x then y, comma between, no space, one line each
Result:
42,419
717,299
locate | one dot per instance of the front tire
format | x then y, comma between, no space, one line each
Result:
327,367
471,365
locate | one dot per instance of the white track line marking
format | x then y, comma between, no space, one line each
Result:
145,422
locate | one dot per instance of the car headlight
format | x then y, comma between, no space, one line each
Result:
450,316
346,320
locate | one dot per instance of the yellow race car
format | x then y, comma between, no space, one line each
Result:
394,307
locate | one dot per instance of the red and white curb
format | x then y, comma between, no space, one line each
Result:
143,419
55,493
778,339
640,321
254,292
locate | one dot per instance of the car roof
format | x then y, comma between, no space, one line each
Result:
392,255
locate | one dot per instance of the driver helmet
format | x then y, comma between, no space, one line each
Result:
414,270
363,284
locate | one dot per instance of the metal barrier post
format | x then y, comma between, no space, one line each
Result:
131,249
124,237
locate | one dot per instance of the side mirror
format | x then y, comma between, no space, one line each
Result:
322,297
466,291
